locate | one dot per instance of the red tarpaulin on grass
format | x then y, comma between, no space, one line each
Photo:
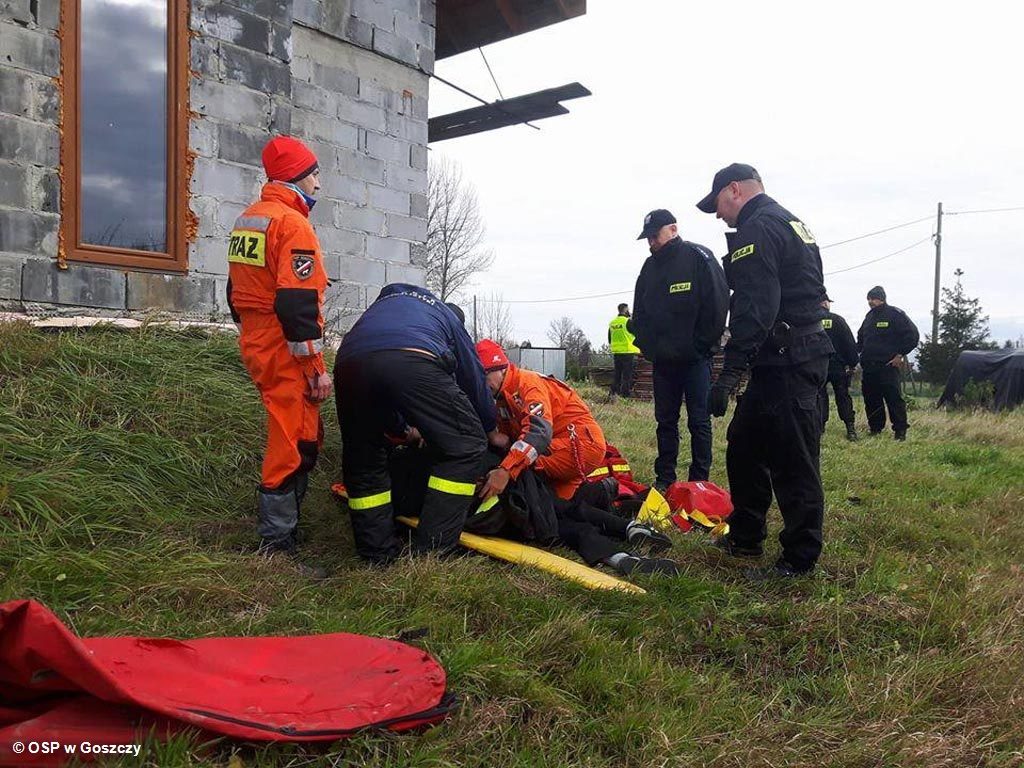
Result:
56,687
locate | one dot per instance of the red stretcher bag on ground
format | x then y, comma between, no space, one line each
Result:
698,496
57,687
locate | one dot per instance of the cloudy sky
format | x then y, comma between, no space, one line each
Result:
859,116
124,123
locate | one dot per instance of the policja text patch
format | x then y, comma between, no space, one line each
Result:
739,253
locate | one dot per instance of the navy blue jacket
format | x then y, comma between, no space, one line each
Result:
774,270
679,304
407,316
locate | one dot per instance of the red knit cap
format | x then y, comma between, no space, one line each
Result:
285,158
492,356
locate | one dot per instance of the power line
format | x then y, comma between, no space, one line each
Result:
564,298
880,258
983,210
830,245
877,232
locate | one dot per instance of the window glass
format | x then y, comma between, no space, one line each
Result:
123,118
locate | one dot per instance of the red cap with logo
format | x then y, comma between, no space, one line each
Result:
286,158
492,356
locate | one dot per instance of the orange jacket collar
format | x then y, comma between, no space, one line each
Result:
279,193
511,381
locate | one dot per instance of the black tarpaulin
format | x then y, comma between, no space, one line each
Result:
1004,368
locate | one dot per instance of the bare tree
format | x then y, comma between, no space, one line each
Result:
494,320
564,333
455,231
559,331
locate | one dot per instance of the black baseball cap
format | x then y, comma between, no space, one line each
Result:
654,221
725,177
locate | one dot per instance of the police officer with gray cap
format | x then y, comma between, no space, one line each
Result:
774,270
885,338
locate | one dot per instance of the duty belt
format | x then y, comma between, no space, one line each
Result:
783,334
805,330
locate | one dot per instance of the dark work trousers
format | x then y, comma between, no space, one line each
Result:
622,383
840,381
372,391
672,383
774,440
881,389
593,533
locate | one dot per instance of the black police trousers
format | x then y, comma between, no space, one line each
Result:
881,389
674,382
840,381
622,381
595,534
375,393
774,441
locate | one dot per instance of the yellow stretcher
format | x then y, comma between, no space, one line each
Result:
522,554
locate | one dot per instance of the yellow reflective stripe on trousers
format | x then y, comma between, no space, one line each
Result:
453,487
599,472
489,504
620,468
369,502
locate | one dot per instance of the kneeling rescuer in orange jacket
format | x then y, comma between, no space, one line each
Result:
276,287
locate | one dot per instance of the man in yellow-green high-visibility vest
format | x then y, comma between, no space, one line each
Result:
624,353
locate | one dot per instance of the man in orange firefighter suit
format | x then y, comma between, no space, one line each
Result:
276,285
554,431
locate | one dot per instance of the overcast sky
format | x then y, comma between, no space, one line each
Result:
858,116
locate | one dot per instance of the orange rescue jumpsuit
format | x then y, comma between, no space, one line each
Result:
275,290
552,427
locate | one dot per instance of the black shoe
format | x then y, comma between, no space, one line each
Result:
851,433
630,565
781,570
729,547
661,486
901,436
645,538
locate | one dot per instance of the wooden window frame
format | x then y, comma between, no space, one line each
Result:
175,257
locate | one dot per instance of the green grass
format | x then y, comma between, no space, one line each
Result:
128,462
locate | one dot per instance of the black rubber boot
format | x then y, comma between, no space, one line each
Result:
729,547
851,433
781,570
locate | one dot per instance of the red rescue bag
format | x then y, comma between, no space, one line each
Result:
697,501
56,687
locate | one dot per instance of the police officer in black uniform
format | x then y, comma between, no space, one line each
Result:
885,338
840,368
679,308
774,269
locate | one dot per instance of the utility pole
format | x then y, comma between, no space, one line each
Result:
938,269
475,337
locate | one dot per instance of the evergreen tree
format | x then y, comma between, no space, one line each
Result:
962,325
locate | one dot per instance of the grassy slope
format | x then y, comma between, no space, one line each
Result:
127,466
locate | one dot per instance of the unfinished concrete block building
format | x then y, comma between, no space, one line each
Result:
131,131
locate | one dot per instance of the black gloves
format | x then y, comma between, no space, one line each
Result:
718,402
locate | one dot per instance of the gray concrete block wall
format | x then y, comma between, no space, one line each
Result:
342,81
348,76
354,94
29,142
